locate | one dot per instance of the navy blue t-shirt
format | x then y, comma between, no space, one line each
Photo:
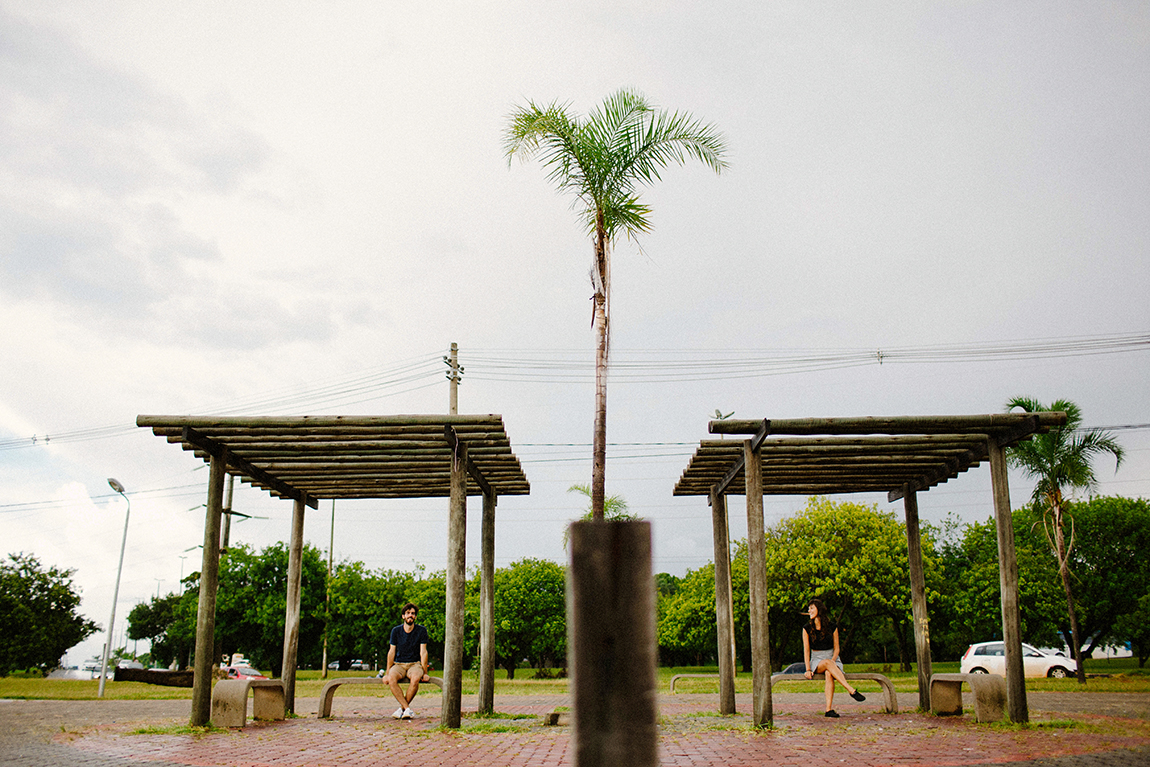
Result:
407,644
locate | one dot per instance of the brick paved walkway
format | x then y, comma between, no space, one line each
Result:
100,734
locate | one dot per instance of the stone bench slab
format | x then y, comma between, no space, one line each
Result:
230,701
328,692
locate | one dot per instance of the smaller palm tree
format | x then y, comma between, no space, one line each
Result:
1061,458
614,508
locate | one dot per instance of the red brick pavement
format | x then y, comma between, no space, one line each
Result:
362,732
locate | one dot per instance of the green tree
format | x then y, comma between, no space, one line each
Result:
365,605
530,614
603,159
686,627
430,592
156,621
969,605
854,558
250,606
38,614
1134,627
1061,459
1110,565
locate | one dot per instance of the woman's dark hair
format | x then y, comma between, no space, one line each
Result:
409,606
823,616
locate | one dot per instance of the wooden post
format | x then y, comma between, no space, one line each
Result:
291,607
451,710
1008,584
762,714
918,598
327,593
724,607
206,661
487,608
611,644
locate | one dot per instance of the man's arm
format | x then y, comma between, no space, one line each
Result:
390,660
423,661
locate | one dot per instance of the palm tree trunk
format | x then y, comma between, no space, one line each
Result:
599,448
1064,572
599,443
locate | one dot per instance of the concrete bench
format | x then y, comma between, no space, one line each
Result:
328,692
230,701
989,695
677,677
890,699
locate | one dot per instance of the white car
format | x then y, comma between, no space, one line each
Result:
990,658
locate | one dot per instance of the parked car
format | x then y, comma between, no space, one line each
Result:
990,658
243,672
358,665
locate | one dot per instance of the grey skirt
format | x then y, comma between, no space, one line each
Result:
818,656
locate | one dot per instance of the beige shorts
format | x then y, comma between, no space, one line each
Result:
405,670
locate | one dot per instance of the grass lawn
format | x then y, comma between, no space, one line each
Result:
1125,676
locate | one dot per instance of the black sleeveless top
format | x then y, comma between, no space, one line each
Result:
821,640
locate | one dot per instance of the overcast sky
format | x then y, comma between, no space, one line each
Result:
295,208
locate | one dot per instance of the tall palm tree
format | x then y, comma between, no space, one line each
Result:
1061,458
602,159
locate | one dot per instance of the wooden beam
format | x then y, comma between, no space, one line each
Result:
721,486
890,424
210,446
472,469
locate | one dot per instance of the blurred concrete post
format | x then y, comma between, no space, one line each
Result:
611,644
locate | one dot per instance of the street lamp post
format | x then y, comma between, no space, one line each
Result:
115,485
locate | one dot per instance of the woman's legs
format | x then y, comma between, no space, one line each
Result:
833,674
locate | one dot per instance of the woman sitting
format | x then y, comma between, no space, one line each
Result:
821,653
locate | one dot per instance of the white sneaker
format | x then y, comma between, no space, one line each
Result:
408,713
398,713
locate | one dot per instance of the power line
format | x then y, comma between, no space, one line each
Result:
628,366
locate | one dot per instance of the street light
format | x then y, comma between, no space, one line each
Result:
115,485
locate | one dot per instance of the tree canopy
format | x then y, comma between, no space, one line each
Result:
39,621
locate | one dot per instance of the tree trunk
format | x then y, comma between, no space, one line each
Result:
599,447
1064,572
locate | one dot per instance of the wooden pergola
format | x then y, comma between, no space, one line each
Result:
822,456
309,458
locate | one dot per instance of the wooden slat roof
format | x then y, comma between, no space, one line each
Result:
400,456
823,456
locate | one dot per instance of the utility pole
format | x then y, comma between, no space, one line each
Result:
327,593
227,512
454,375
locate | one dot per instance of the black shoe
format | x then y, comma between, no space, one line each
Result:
831,714
858,696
